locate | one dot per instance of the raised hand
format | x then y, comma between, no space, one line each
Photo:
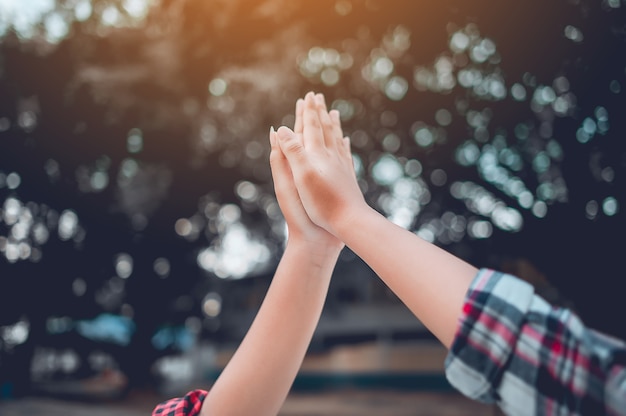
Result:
265,362
321,164
299,224
429,280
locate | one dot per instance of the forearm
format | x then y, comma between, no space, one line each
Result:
260,374
429,280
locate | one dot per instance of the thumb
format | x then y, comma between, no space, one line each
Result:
290,143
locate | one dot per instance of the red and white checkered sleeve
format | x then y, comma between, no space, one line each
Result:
514,348
188,405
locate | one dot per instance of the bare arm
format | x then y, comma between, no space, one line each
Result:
260,374
429,280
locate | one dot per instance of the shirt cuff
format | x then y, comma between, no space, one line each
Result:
494,311
188,405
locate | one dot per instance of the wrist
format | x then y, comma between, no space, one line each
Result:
321,252
347,222
327,247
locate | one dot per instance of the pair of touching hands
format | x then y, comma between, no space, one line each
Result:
318,192
313,173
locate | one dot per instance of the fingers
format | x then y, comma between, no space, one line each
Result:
326,122
278,162
342,143
312,126
348,153
299,124
291,145
315,127
273,141
336,126
281,175
347,146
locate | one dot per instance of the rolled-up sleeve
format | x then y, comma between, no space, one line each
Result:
188,405
514,348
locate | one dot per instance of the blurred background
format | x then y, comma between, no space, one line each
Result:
138,226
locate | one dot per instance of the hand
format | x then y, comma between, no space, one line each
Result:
322,166
299,224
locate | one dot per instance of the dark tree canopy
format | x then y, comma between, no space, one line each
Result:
133,153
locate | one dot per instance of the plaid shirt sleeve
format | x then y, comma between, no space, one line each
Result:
514,348
188,405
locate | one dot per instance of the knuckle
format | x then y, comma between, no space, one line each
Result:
293,147
314,123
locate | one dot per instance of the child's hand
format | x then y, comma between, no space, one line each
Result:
299,224
322,166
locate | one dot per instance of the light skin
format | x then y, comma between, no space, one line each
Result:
258,377
429,280
324,208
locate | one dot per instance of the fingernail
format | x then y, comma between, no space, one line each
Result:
299,104
272,135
